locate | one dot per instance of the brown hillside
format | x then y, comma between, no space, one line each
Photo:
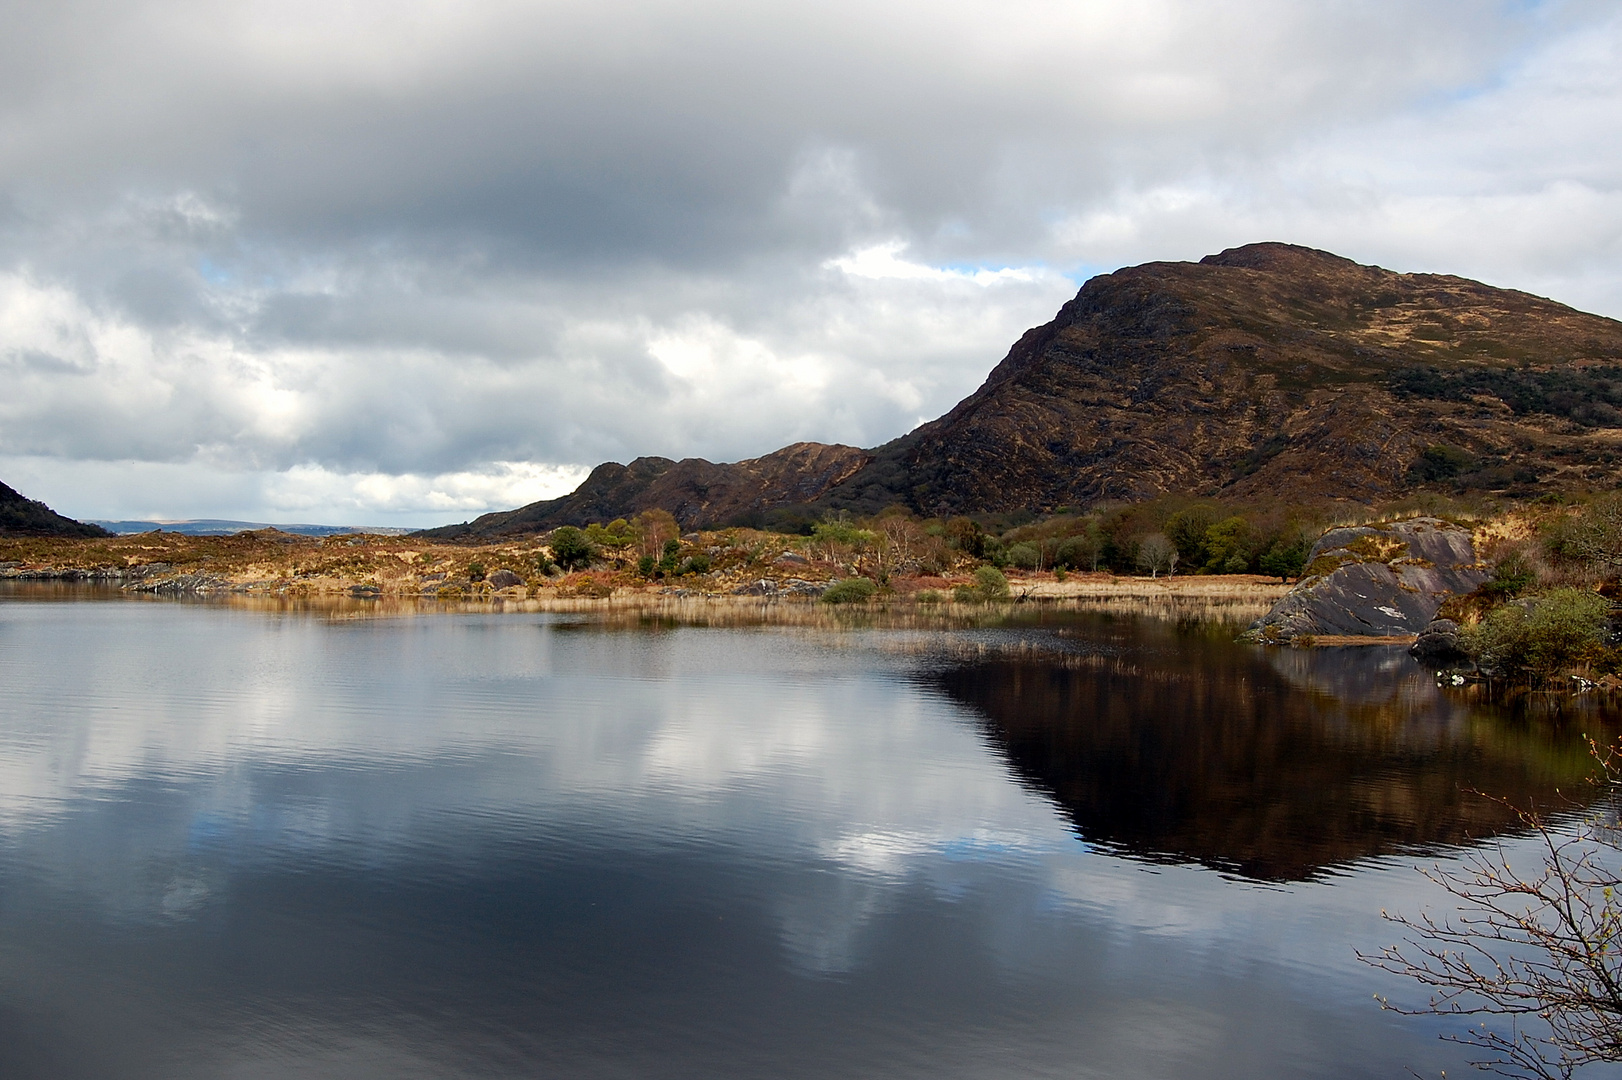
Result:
22,516
695,491
1266,370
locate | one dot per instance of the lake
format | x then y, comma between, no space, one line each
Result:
334,842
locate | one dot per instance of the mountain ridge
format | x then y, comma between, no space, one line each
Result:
1264,370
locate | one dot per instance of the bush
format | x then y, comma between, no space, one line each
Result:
1542,636
1080,552
854,590
928,596
990,583
696,564
1512,576
1025,555
646,565
475,571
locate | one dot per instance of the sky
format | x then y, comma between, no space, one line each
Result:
403,263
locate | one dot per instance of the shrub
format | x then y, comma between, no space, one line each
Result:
1541,636
1025,555
646,565
696,564
1512,576
990,583
475,571
1593,539
928,596
1080,552
850,591
966,594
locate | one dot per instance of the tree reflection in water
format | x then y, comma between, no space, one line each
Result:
1276,765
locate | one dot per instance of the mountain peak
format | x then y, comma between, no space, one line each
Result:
1315,378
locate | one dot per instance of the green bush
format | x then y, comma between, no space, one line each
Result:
1512,576
1540,636
696,564
928,596
475,571
646,565
990,583
854,590
1025,555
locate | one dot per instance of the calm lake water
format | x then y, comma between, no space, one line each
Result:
249,843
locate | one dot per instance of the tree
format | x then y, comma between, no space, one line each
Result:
1540,950
617,536
1287,560
1229,545
570,548
1157,555
656,527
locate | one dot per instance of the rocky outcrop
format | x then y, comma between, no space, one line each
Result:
1377,580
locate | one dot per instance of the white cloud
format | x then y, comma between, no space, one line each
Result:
884,261
422,240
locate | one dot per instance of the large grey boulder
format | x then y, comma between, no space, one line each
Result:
1378,580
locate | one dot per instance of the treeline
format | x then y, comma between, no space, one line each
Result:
1167,536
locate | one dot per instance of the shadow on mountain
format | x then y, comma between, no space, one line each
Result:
1276,766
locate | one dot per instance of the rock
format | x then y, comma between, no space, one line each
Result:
504,579
763,587
193,583
1378,580
789,558
1438,643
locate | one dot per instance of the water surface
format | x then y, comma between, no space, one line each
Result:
259,844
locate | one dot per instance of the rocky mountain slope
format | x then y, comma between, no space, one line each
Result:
22,516
1267,370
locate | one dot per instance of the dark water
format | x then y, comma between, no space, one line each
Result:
247,844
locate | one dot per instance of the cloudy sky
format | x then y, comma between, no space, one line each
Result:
401,263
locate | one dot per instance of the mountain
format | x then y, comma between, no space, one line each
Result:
22,516
225,527
1269,370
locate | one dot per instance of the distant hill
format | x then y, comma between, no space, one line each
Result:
1267,370
222,527
22,516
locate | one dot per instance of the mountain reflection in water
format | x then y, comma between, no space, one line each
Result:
1276,766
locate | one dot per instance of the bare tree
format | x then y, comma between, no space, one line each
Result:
1156,554
1539,951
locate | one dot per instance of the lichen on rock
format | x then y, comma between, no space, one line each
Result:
1379,580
